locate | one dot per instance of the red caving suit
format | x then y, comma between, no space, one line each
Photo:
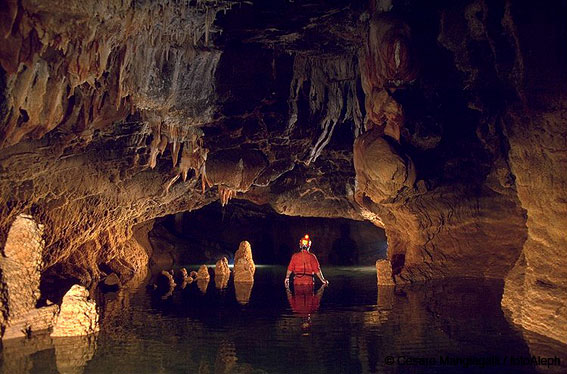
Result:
304,266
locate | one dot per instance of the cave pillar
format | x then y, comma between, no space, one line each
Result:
78,315
20,271
384,273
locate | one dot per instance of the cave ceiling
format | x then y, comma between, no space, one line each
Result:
442,122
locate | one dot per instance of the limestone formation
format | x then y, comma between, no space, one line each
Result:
20,271
221,281
221,268
21,265
78,315
222,273
244,267
165,280
203,273
384,273
148,110
184,278
202,284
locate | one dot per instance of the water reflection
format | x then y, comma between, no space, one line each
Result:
68,355
243,291
221,281
304,302
352,329
202,284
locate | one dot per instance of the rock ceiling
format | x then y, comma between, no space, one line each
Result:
443,122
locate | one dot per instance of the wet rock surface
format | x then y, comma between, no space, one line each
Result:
442,123
77,316
244,267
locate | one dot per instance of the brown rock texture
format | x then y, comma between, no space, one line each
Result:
449,133
78,315
221,268
203,284
244,267
203,273
20,270
21,264
384,273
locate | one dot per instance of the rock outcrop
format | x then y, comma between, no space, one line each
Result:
221,268
20,270
244,267
384,273
78,315
203,273
222,273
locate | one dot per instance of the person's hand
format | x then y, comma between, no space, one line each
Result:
325,282
286,283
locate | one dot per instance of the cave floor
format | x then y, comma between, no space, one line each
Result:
351,327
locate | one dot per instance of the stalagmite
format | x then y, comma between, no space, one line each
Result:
244,267
20,266
222,273
203,273
221,268
384,273
78,315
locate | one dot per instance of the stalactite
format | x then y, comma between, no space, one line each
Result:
332,95
225,194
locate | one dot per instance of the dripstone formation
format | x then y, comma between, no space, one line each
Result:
442,122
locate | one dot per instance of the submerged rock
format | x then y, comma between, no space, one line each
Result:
78,315
221,268
221,281
384,273
165,280
20,268
244,267
222,273
203,273
183,278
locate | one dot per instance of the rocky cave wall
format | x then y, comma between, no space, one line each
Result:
442,122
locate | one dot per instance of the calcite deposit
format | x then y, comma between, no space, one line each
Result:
384,273
442,122
78,314
222,273
221,268
203,273
20,270
244,267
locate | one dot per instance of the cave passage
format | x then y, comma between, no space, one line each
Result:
208,234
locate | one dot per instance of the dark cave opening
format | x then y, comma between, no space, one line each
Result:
210,233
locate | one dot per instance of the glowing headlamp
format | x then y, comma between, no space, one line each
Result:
305,242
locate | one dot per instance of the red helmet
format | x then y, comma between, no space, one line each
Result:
305,242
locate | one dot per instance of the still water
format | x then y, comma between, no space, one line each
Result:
350,327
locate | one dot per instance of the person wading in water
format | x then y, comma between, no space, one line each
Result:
304,266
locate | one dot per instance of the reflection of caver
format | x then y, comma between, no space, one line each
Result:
303,301
304,266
